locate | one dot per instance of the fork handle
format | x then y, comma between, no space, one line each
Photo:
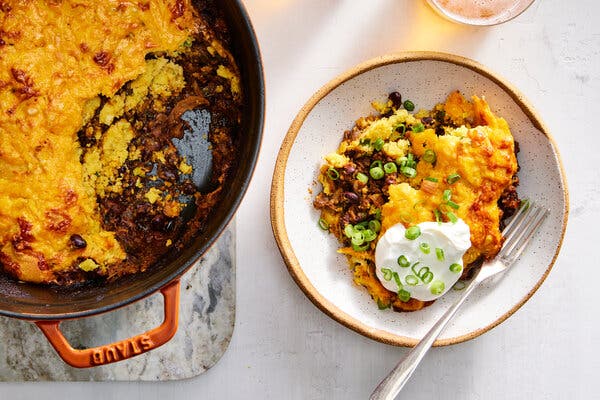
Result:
397,378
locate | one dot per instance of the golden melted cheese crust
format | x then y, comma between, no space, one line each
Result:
55,56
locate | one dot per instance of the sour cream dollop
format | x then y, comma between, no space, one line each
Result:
427,266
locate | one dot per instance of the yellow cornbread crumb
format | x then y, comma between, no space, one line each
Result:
153,195
88,265
226,73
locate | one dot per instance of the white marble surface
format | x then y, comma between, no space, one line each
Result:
283,347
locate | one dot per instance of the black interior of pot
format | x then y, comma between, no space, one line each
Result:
29,301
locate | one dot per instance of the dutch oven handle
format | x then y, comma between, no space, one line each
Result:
124,349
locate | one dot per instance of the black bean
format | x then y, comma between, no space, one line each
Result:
427,120
77,241
396,99
349,169
352,197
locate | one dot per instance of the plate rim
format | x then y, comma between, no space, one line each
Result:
277,193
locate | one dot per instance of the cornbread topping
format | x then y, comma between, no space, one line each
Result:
91,94
398,171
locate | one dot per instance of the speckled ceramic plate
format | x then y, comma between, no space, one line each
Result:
310,253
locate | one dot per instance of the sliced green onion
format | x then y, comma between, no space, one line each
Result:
427,277
381,305
524,204
409,105
401,128
425,248
447,195
378,145
362,178
439,253
323,224
390,168
411,280
362,225
365,142
453,204
452,217
375,225
376,163
422,272
369,235
376,173
378,214
437,287
452,178
430,179
459,285
418,128
410,157
438,216
413,268
387,273
360,248
404,295
409,172
403,261
429,156
349,231
412,233
397,279
456,268
358,238
333,174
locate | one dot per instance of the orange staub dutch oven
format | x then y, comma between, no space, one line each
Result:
48,306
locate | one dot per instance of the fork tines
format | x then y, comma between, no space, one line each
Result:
521,229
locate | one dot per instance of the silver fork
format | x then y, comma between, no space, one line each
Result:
517,235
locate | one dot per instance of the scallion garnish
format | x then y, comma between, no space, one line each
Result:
437,287
358,238
452,178
425,248
348,231
422,272
376,163
439,253
408,105
323,224
361,247
400,128
362,178
412,233
452,217
429,156
431,179
369,235
375,225
387,273
381,305
376,173
397,279
447,195
438,216
453,204
456,268
404,295
427,277
409,172
390,168
418,128
378,214
403,261
411,280
333,174
378,145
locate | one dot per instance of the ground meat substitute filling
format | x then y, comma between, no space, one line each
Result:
144,190
347,200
